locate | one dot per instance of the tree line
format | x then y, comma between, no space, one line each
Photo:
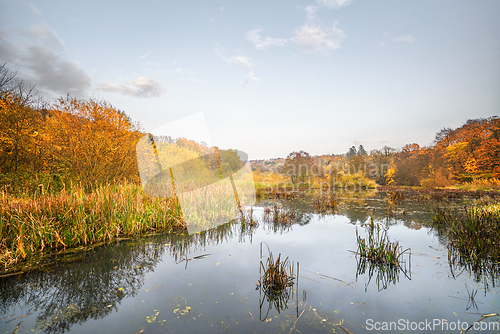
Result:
467,154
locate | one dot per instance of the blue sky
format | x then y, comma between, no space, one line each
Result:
270,77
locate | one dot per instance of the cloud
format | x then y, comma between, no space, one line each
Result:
333,4
311,12
55,74
38,53
405,39
35,10
140,87
8,52
44,36
250,77
145,55
261,43
241,60
313,38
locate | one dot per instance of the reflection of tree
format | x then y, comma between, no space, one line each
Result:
92,284
86,288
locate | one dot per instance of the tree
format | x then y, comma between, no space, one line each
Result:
21,113
352,152
361,151
92,140
298,166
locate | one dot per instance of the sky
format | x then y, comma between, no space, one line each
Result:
270,77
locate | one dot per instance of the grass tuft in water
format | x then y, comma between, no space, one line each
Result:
276,280
326,203
377,247
279,215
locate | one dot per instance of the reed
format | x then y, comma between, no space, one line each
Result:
474,232
75,218
326,203
276,280
377,247
280,193
279,215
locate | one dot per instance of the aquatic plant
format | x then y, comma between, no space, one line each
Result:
377,248
473,236
279,192
75,218
474,232
276,279
279,215
326,203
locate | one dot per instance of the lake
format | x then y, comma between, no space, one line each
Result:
208,282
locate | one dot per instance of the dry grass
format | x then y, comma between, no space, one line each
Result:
75,218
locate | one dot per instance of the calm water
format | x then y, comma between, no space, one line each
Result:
148,286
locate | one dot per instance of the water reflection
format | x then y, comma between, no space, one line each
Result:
384,274
94,284
81,290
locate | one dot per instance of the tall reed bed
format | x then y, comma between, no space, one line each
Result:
475,231
473,239
75,218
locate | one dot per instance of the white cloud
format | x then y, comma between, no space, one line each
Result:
254,36
311,12
312,38
250,77
145,55
405,39
140,87
333,4
35,10
241,60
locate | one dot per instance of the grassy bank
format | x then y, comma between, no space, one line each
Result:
74,218
473,232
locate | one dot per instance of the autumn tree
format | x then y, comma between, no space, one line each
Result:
21,113
298,166
93,141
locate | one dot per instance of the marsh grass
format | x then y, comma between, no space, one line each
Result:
75,218
279,193
377,247
276,280
473,235
326,203
279,215
381,256
474,232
